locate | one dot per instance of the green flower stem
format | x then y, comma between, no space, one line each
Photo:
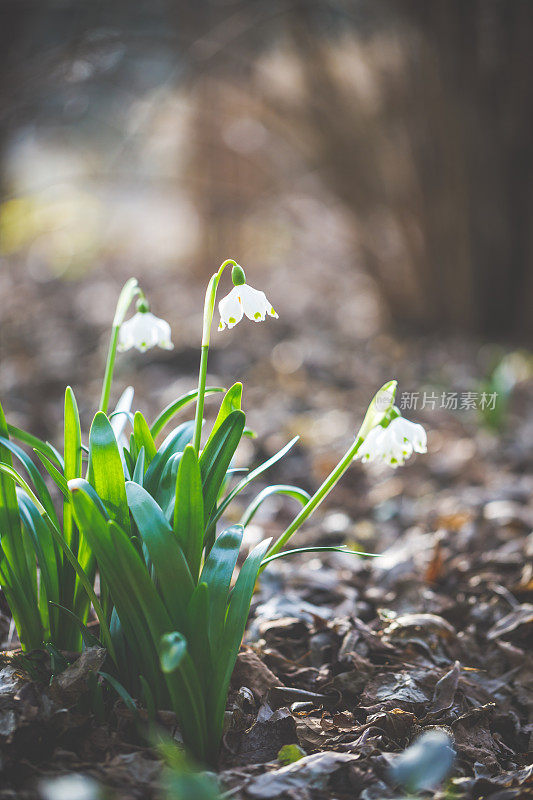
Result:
321,493
381,404
130,290
200,400
209,310
109,367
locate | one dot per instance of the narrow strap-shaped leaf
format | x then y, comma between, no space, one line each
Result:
139,607
237,616
123,693
139,581
138,472
89,639
333,548
92,494
73,463
45,549
237,470
175,442
189,510
187,695
128,463
141,612
170,567
252,476
216,457
288,491
166,488
66,550
85,581
197,634
72,446
241,597
133,449
114,416
172,409
36,477
13,543
9,510
230,402
55,474
127,654
73,469
143,437
106,472
36,444
23,606
217,573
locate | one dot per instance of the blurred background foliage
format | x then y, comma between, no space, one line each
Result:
369,161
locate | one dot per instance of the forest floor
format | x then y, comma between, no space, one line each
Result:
349,658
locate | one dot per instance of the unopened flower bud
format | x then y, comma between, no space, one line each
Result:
237,275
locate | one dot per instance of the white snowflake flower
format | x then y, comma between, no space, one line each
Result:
143,331
394,444
244,300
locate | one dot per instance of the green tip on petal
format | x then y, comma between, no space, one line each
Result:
237,275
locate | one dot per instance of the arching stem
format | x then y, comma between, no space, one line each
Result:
209,310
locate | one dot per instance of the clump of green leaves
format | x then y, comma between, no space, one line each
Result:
35,572
145,517
177,623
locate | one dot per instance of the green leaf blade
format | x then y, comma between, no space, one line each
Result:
236,619
217,572
106,471
171,570
143,437
230,402
189,510
216,458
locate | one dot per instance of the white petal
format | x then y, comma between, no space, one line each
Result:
125,337
370,448
230,309
399,445
244,299
144,330
254,303
412,432
394,444
164,334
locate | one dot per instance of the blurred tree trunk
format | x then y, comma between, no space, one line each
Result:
483,52
434,159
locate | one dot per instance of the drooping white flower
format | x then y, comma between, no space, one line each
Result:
244,300
143,331
394,444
